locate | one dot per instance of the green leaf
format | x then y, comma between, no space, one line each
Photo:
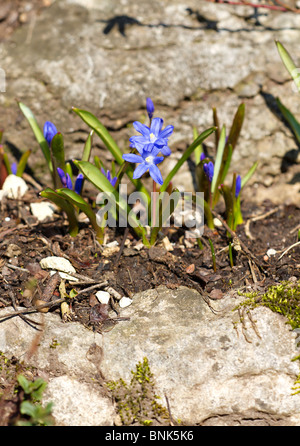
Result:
228,198
164,209
185,156
102,132
37,133
236,126
58,151
290,118
96,177
249,174
289,64
218,160
22,163
110,143
52,195
28,408
87,147
57,156
24,383
6,163
198,149
74,199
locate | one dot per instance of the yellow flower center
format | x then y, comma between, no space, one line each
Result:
152,137
149,159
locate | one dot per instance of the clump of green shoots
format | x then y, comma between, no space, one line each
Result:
211,176
32,413
137,402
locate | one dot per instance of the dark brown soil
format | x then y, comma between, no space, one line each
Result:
129,269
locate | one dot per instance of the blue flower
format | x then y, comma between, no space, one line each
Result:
209,170
108,176
238,185
13,168
67,182
150,107
148,160
153,135
49,132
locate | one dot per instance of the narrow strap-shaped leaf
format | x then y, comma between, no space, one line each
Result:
57,156
52,195
76,200
290,118
185,156
236,126
216,124
6,163
22,163
198,149
102,132
87,147
58,150
37,133
110,143
95,176
289,64
164,212
219,158
249,174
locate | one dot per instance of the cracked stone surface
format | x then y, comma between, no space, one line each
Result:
108,56
211,372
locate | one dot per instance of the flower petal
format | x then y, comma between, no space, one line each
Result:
49,131
158,159
156,126
62,176
155,174
167,131
141,128
150,107
78,184
165,150
69,182
140,170
132,158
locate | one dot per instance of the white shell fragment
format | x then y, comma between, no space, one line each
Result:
60,264
14,187
42,210
125,302
271,252
103,297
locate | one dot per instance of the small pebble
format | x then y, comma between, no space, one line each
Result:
125,302
42,210
103,297
15,187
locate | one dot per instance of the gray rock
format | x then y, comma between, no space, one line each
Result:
211,371
108,56
201,362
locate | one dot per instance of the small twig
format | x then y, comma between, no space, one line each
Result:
90,288
288,249
32,309
258,217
